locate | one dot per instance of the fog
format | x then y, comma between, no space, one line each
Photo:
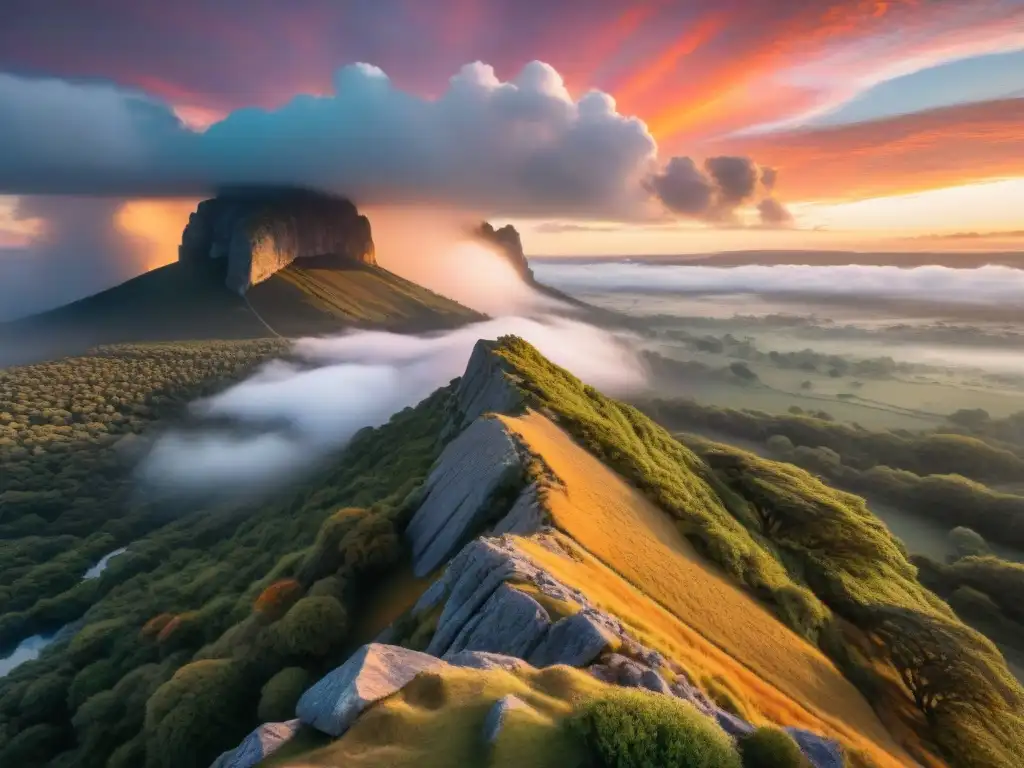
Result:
289,415
436,248
984,285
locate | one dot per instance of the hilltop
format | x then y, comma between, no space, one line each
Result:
482,580
252,264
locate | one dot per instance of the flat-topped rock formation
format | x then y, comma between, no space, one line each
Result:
257,232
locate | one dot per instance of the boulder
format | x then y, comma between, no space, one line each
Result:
486,661
370,674
526,516
258,745
498,714
510,622
734,726
819,751
254,232
482,461
485,387
574,640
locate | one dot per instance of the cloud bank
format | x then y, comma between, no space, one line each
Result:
984,285
290,415
519,147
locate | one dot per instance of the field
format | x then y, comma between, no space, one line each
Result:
676,597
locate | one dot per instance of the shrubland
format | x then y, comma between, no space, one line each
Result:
221,614
68,433
924,474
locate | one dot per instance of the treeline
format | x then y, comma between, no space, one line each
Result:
69,431
817,555
221,619
927,453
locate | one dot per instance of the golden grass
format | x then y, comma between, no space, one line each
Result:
644,571
438,720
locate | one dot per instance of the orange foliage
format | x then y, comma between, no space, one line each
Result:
156,625
169,628
275,600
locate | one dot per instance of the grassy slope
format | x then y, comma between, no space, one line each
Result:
776,528
438,720
793,682
175,303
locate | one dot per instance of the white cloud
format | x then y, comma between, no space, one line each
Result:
990,284
290,415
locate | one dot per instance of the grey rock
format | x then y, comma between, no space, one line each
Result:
479,569
821,752
498,714
526,516
734,726
486,661
652,681
261,230
510,622
485,387
262,742
370,674
481,460
574,640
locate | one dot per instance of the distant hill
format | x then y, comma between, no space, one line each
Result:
905,260
253,263
181,302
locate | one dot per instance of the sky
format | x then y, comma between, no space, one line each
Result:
612,127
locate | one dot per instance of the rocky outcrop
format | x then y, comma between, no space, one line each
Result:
510,245
258,745
498,714
256,232
370,674
487,386
477,466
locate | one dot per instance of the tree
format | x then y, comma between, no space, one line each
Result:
944,665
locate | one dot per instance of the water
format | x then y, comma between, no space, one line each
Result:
27,649
96,570
30,648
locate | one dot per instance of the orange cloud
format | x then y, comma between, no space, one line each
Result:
642,80
910,153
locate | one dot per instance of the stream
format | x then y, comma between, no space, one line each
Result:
30,648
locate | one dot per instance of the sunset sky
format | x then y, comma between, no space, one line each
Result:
888,124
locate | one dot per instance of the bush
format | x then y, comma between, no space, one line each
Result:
275,600
195,715
312,628
771,748
967,542
281,693
636,729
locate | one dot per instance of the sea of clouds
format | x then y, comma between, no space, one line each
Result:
984,285
292,414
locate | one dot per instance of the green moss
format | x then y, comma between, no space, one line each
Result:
636,729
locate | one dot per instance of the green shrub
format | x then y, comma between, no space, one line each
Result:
967,542
195,715
32,746
312,628
771,748
636,729
281,693
98,676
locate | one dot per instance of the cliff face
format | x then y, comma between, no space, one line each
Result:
511,246
258,232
